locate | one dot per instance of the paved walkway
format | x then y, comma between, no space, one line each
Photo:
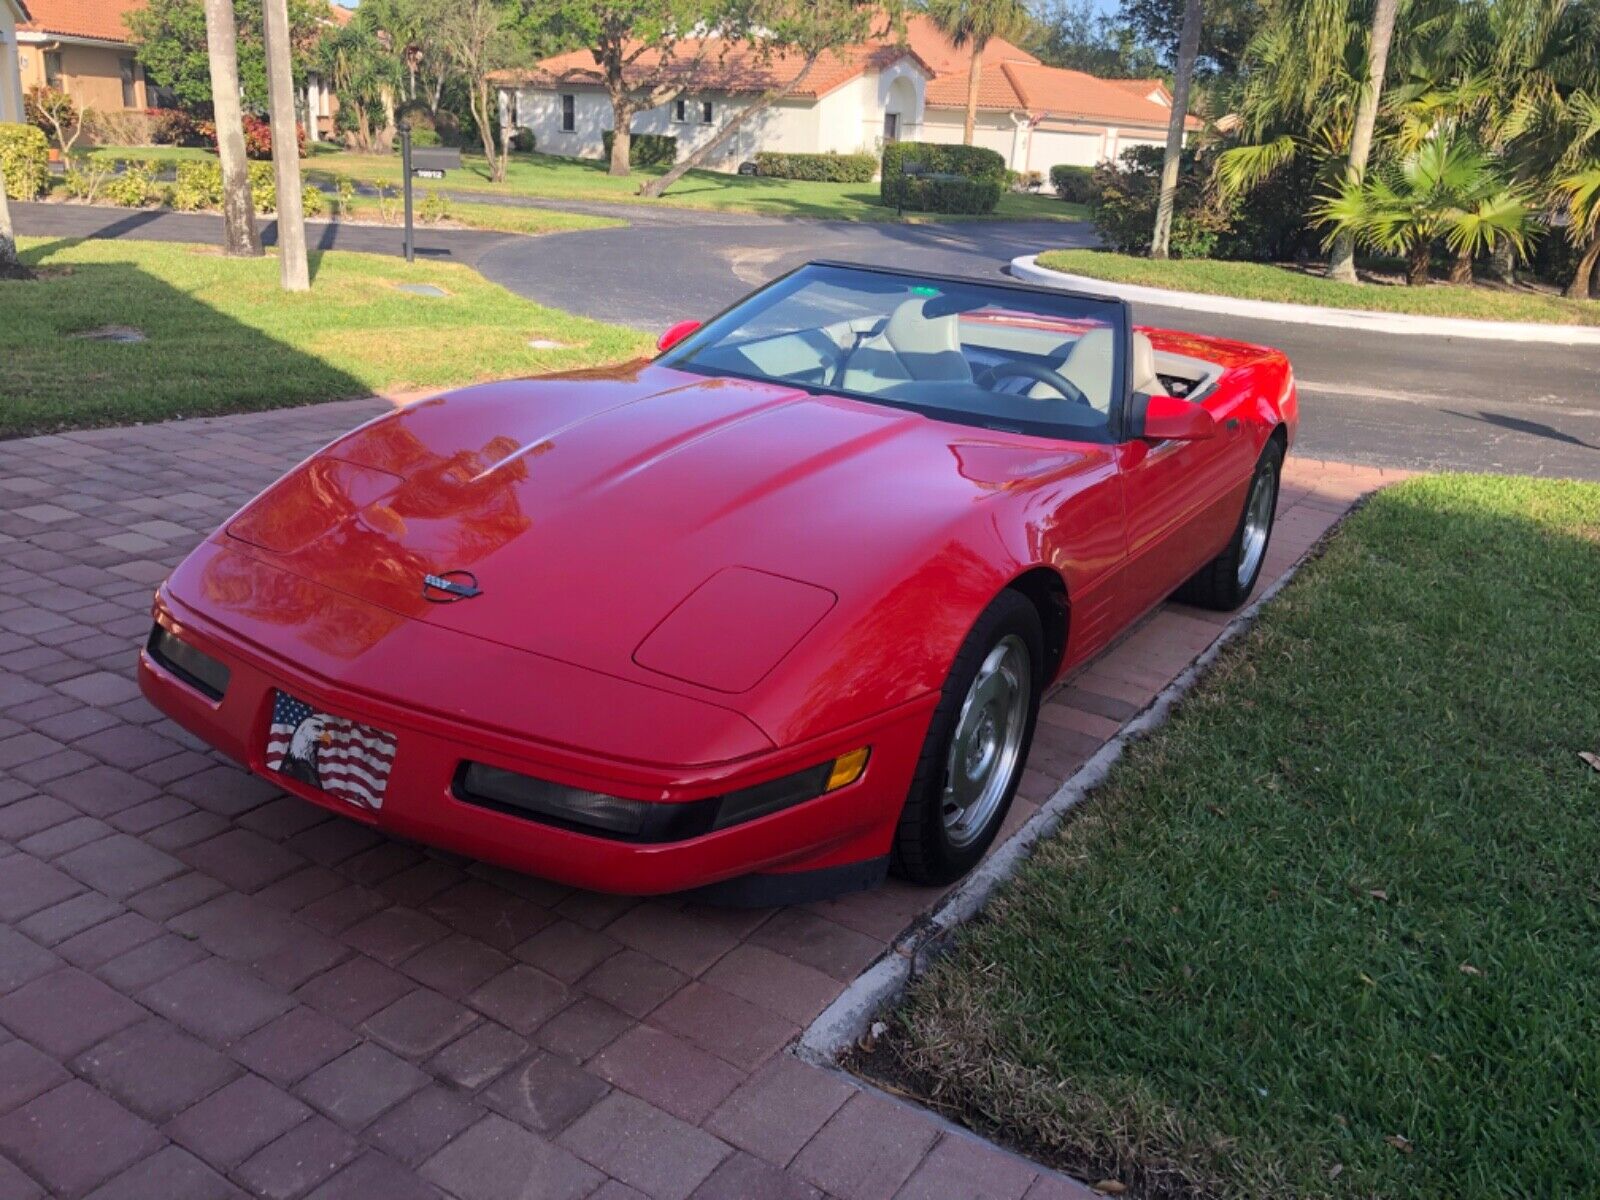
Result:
205,984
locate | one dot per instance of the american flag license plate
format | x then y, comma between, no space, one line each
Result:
338,756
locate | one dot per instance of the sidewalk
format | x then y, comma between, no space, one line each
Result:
205,984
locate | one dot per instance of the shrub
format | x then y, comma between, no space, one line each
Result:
88,178
312,202
263,188
820,168
417,114
647,150
55,112
173,127
1074,184
983,172
24,160
523,142
134,186
257,137
346,197
420,137
1125,215
118,127
199,186
434,207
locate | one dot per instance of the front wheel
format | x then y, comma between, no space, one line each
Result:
976,746
1227,580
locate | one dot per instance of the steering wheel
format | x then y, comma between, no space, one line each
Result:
1018,369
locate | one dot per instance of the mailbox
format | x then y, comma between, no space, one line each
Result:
431,162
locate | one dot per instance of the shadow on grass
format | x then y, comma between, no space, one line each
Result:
193,361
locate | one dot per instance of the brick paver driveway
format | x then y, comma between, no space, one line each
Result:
206,985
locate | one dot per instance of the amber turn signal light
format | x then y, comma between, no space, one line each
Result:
847,769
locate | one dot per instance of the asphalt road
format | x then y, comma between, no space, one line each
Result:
1379,399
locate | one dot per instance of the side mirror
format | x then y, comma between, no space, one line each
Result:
676,334
1167,418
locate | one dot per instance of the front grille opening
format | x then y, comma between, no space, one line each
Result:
199,670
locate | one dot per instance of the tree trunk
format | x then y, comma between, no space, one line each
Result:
621,136
1461,267
974,77
1588,265
293,272
1342,259
1418,262
1503,262
658,187
240,238
387,133
1188,49
10,265
480,114
363,130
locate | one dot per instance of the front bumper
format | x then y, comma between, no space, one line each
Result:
834,835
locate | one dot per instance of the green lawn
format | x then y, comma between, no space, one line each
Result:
577,179
1335,929
221,336
1263,281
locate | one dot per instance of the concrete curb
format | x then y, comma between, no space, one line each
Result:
848,1018
1027,269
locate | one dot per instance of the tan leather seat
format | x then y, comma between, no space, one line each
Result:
911,346
1088,365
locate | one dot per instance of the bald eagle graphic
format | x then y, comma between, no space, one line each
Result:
300,759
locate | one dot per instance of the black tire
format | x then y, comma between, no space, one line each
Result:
923,849
1217,584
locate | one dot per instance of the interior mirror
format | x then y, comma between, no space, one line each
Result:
676,334
1167,418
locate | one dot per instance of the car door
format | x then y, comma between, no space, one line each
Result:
1180,505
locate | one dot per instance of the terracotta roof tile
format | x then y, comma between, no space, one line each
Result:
98,19
1058,92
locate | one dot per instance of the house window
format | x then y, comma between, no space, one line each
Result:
891,127
130,96
705,112
52,70
569,113
680,110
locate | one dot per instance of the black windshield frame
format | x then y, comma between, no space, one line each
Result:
1048,302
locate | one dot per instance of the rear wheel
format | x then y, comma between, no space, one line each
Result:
1226,581
976,746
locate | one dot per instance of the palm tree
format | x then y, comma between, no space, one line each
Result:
10,265
240,238
1342,258
362,72
1582,189
1447,188
1188,48
976,22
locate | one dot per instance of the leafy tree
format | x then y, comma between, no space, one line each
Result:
806,29
171,35
480,38
1446,188
1188,48
363,74
1075,35
973,23
1229,26
623,35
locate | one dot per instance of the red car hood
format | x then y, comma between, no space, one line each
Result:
590,510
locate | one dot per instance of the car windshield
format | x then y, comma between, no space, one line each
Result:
966,351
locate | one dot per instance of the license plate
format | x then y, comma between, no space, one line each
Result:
335,755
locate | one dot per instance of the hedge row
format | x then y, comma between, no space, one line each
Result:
819,168
198,186
908,165
24,160
647,149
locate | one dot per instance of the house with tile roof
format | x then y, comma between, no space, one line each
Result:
853,99
84,48
12,14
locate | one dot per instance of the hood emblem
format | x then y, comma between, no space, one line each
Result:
450,586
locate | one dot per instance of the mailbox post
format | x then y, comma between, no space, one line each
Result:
405,171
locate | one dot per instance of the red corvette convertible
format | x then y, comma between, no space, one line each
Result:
767,616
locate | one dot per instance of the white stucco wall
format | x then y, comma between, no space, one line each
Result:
846,120
10,72
995,131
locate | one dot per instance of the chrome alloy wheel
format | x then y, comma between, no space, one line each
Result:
986,751
1257,523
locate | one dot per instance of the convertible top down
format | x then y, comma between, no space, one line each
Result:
765,615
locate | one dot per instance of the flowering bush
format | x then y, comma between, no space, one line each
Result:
257,137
